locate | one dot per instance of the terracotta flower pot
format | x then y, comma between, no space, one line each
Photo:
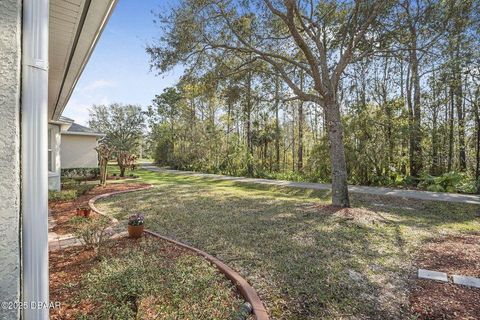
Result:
83,212
135,231
86,212
80,212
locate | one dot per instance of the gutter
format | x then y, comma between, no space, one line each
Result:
86,6
34,168
68,133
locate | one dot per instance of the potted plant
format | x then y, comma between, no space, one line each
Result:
83,212
135,225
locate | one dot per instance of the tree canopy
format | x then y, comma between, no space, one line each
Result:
123,126
386,92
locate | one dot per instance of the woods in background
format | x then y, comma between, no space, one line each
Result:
369,92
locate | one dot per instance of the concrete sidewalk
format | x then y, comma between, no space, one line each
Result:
412,194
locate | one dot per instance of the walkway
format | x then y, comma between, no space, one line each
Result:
412,194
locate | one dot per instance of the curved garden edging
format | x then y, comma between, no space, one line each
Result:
91,202
246,290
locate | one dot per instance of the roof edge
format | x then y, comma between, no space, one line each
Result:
93,134
67,90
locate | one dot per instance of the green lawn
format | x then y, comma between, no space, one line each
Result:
306,259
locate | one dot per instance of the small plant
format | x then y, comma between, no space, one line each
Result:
136,220
135,225
91,231
69,183
83,189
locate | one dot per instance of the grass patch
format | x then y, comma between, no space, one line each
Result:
307,259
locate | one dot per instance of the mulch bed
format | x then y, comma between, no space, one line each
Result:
63,211
458,255
70,265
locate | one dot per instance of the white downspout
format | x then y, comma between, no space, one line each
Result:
34,130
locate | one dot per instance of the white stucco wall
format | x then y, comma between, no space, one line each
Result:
54,173
78,151
10,54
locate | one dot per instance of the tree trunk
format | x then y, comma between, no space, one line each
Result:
300,129
277,124
103,171
462,158
477,144
294,148
122,171
337,154
416,133
300,137
249,126
450,134
434,170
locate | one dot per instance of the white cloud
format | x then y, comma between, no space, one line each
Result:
80,110
98,84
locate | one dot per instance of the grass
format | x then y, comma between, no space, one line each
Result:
143,279
307,259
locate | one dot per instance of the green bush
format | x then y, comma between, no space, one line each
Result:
69,192
468,186
62,195
83,173
69,183
448,182
435,188
83,189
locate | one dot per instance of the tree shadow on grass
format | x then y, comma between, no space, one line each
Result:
306,258
306,262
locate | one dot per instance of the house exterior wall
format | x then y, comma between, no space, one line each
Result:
10,58
78,151
54,169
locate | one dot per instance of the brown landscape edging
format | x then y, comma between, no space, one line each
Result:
91,202
246,290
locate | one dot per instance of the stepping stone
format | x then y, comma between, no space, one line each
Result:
432,275
467,281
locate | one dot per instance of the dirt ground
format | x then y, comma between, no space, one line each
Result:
63,211
455,255
68,266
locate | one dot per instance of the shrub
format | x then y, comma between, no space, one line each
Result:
83,189
63,195
91,231
435,188
410,181
83,173
448,182
71,191
468,186
69,183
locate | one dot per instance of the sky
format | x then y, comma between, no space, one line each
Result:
118,69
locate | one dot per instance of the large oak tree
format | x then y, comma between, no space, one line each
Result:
317,38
